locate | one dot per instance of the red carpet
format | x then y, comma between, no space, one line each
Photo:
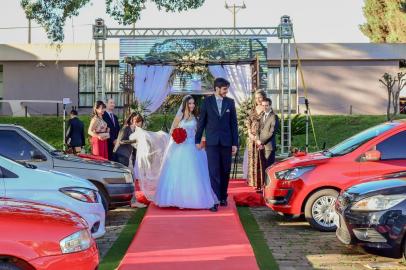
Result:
173,239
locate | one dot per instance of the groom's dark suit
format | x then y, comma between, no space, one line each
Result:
221,134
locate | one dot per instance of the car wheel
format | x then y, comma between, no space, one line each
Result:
319,210
8,266
104,199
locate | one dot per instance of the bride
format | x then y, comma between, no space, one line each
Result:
182,179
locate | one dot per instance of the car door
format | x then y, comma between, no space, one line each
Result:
393,157
17,147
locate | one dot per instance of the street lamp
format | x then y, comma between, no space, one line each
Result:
285,28
99,30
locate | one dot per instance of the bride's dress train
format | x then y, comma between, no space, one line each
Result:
183,178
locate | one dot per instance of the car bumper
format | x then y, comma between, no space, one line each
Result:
84,260
95,216
120,194
282,196
376,230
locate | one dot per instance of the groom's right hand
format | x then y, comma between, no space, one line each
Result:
198,145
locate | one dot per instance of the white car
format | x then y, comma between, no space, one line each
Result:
23,181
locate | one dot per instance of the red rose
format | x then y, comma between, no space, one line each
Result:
179,135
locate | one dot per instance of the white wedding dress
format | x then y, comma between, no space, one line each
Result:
173,174
184,177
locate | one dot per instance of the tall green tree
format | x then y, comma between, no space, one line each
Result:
385,20
52,14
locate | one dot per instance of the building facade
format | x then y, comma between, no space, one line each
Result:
32,73
340,78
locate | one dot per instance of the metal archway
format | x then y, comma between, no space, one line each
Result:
284,32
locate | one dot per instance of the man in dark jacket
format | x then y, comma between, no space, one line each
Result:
266,135
112,122
218,118
75,134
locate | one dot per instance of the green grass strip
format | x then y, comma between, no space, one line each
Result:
263,254
119,248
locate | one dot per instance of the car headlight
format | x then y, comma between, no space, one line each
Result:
128,178
293,174
76,242
81,194
378,202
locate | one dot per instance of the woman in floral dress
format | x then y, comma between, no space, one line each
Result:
255,178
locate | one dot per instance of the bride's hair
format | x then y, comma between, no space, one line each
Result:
185,105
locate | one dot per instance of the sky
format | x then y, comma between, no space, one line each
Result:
318,21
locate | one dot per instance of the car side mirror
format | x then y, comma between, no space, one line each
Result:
372,155
38,155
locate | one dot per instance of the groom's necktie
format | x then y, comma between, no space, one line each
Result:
219,103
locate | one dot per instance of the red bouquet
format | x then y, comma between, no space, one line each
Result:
179,135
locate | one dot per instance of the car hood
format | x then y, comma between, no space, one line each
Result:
70,161
383,187
59,179
305,160
11,209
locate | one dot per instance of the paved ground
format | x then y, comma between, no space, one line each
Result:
115,222
295,245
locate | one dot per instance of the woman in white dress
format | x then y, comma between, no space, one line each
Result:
184,177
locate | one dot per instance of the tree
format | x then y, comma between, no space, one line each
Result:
52,14
389,82
385,20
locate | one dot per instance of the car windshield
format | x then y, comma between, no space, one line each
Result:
41,142
357,140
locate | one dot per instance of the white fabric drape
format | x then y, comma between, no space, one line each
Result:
152,84
240,80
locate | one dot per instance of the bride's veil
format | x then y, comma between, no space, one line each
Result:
151,152
150,155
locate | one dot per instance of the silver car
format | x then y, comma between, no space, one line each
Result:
113,180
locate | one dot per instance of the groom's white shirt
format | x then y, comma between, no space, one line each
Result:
219,101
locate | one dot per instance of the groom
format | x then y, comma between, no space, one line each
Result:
218,118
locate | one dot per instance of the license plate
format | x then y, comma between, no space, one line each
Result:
337,220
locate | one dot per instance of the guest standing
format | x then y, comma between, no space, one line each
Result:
123,151
99,131
255,177
266,136
112,122
75,133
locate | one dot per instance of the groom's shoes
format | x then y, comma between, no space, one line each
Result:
223,203
215,208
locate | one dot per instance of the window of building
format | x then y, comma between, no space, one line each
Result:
87,85
273,87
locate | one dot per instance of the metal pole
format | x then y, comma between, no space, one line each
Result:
234,17
307,125
281,105
64,127
96,71
103,86
29,30
289,101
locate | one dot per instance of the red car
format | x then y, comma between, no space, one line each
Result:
38,236
310,183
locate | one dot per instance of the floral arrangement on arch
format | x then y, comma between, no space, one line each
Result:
193,63
243,113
